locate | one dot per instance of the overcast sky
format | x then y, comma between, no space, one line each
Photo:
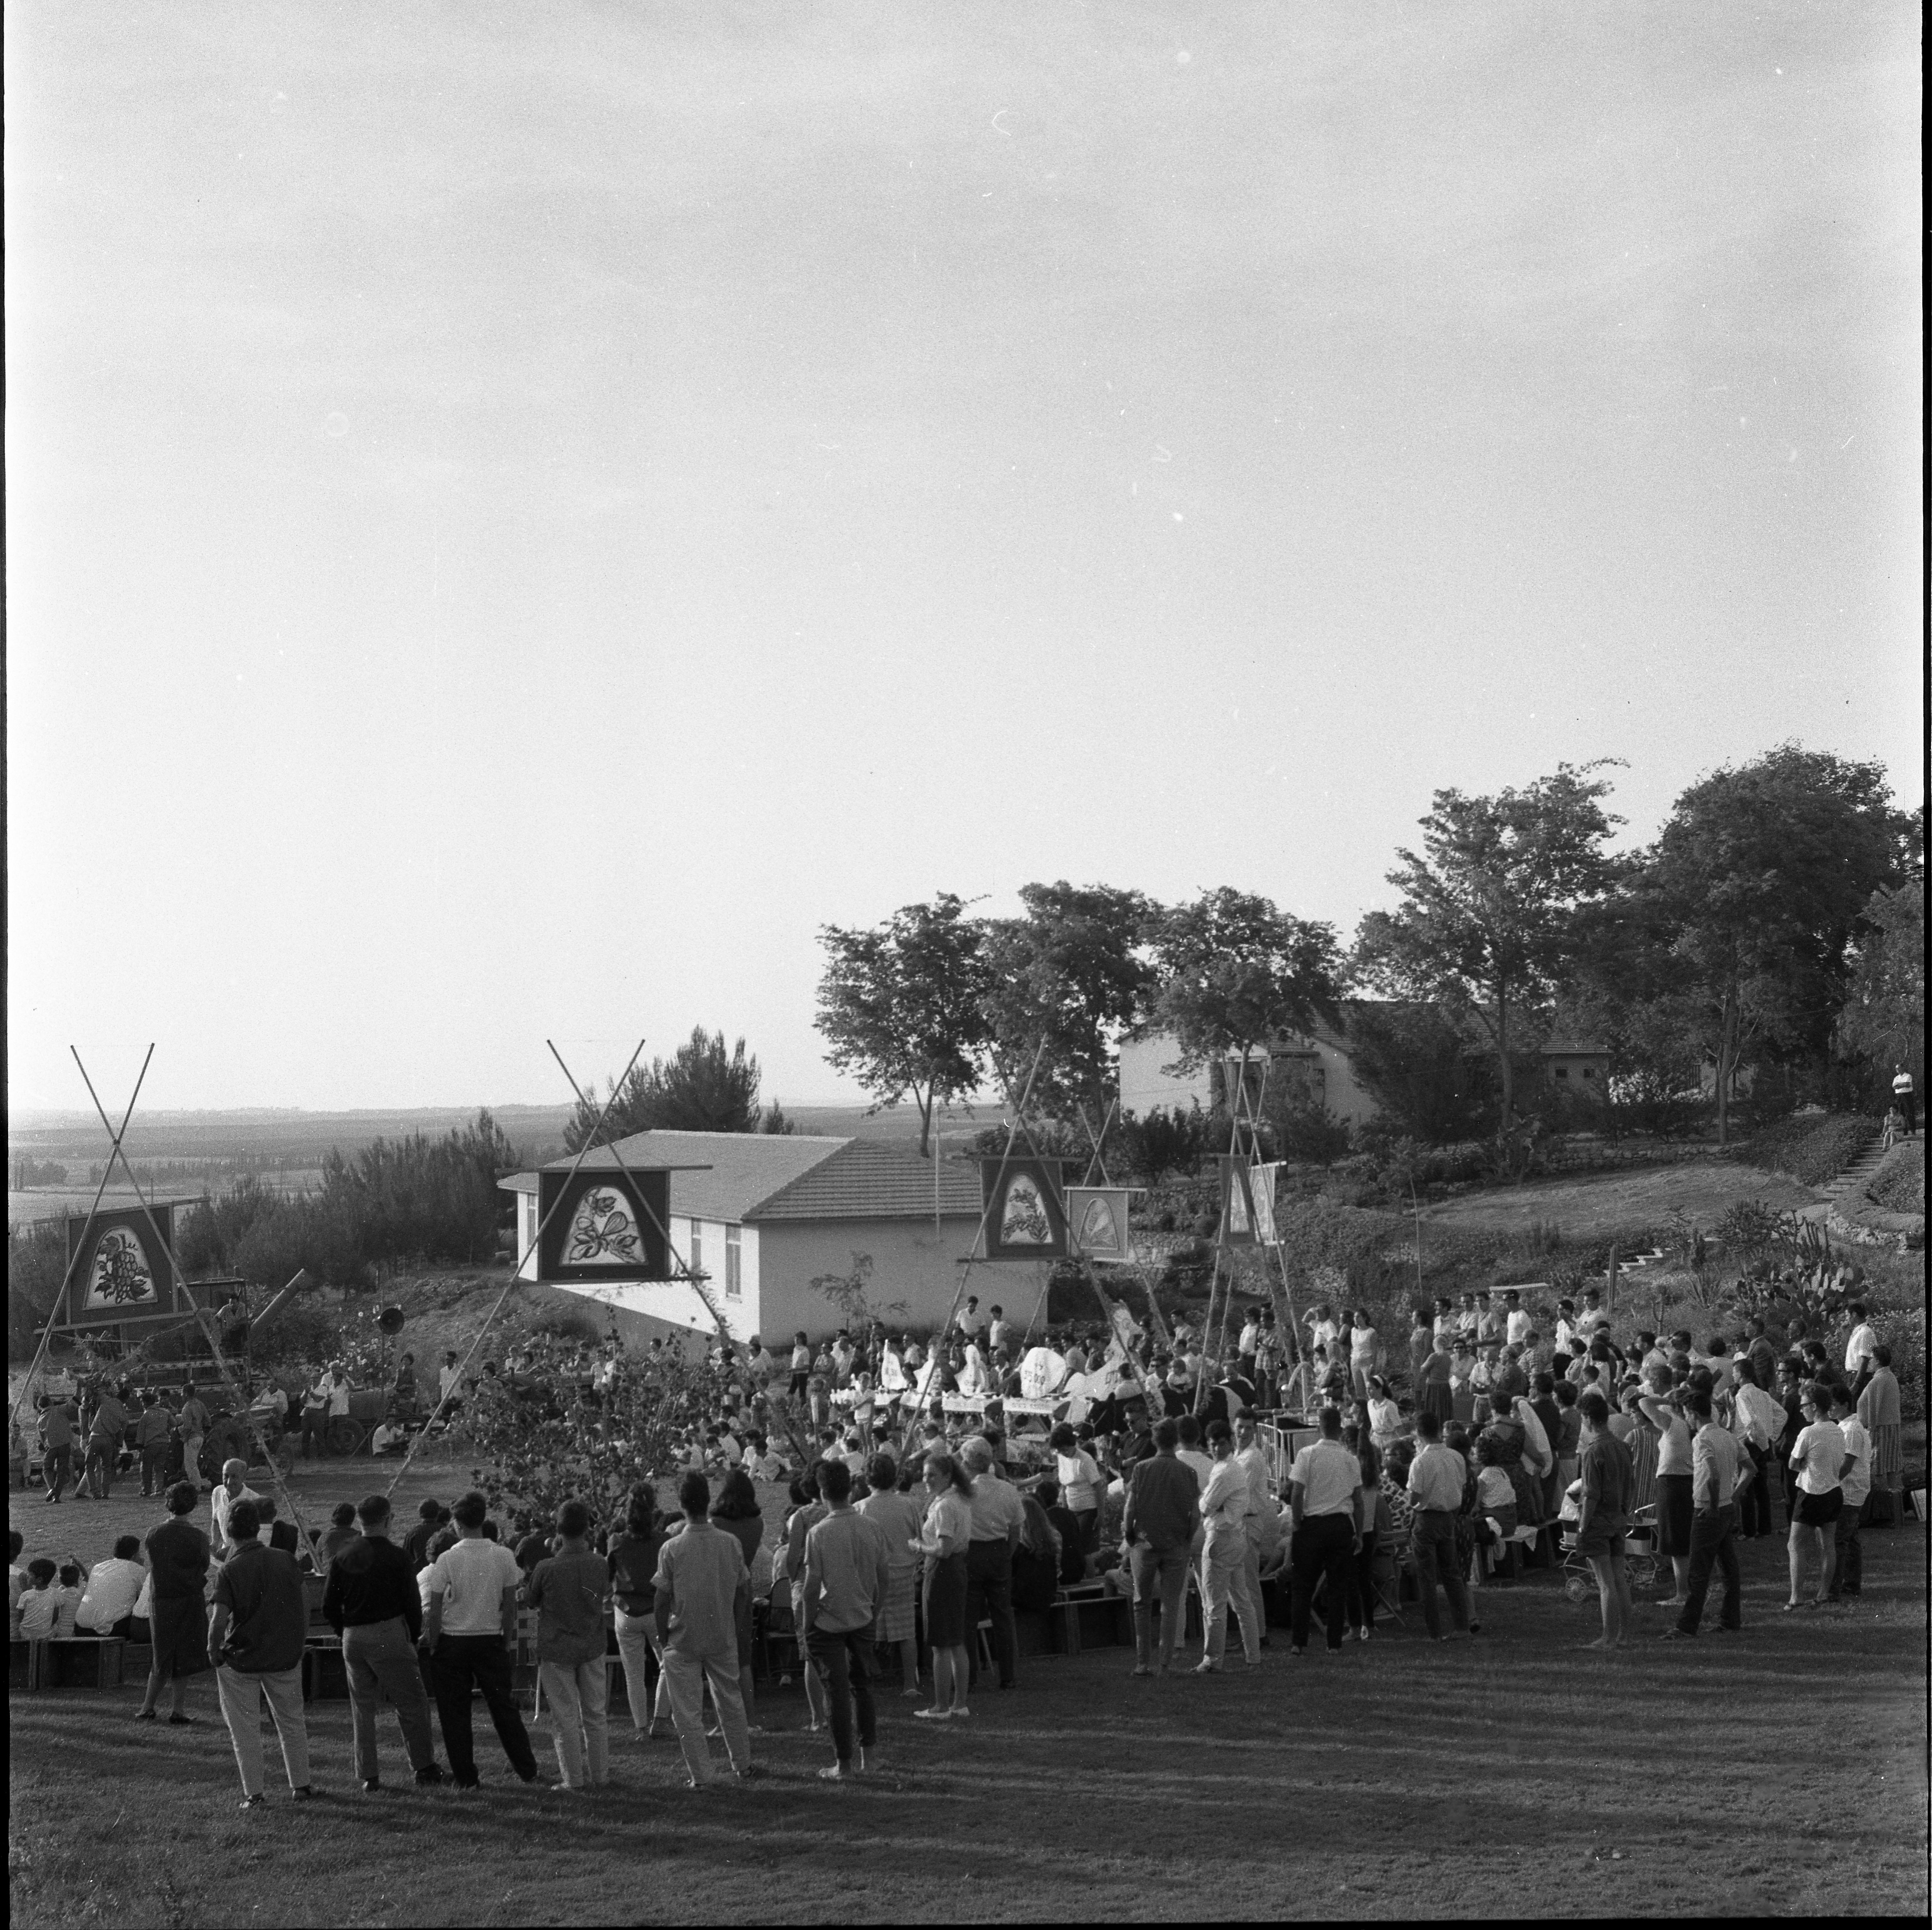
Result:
517,515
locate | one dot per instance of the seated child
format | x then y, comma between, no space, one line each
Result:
1495,1494
48,1610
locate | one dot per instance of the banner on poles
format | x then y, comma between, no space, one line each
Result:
1096,1219
605,1227
1237,1204
1025,1218
118,1266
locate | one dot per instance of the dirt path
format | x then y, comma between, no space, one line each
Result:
1597,1203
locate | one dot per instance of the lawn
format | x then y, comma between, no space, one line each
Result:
1592,1205
1779,1771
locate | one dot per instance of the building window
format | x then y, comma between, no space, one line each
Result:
1589,1071
734,1260
697,1246
1562,1072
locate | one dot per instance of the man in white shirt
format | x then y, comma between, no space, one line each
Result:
232,1487
1225,1503
1000,1331
1719,1469
1859,1347
113,1587
1324,1498
448,1378
971,1320
1855,1486
1253,1463
1905,1097
1516,1319
470,1593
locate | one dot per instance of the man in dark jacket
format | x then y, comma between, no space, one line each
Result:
372,1602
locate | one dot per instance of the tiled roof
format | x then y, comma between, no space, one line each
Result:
1575,1045
758,1177
872,1179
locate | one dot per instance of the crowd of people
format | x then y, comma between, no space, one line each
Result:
920,1511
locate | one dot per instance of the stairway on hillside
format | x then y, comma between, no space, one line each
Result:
1852,1179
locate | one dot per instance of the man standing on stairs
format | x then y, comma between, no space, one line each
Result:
1905,1097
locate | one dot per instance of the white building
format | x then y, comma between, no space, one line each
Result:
769,1212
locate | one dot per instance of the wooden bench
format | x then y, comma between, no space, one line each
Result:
68,1661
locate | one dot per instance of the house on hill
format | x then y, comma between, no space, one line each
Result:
1321,1064
762,1215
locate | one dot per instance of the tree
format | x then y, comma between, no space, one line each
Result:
700,1088
1489,913
902,1006
1233,972
1884,1016
1065,981
1426,1076
1760,882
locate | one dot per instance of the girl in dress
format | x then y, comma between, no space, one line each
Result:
943,1542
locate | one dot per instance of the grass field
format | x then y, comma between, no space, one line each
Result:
1779,1771
1592,1204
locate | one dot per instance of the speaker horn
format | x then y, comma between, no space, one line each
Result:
390,1319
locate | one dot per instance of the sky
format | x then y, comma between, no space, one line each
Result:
517,517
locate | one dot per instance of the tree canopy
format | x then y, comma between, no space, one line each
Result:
902,1006
701,1088
1490,910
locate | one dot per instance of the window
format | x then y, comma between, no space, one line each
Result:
734,1260
697,1246
1589,1071
1562,1072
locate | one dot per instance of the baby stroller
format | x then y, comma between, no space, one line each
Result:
1580,1584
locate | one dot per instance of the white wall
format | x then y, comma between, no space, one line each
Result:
1144,1085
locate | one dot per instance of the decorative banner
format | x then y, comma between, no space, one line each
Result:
966,1404
1127,1334
1261,1191
1041,1372
1237,1202
605,1229
1015,1404
1096,1221
1024,1218
122,1271
892,1372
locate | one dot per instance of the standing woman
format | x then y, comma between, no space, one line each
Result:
737,1512
898,1515
179,1557
1879,1409
1674,1474
1362,1577
1385,1416
1819,1455
634,1563
1432,1387
948,1527
1365,1352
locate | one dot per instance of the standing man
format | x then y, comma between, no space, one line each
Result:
193,1432
1516,1320
57,1427
1324,1502
372,1603
449,1378
1860,1346
1436,1479
1253,1464
233,1488
471,1593
1855,1485
1719,1471
1224,1515
999,1520
848,1574
314,1416
1905,1097
152,1433
1157,1537
700,1575
105,1432
257,1623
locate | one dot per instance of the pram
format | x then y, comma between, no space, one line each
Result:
1640,1538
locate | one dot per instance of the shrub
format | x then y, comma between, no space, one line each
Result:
1899,1184
1904,1332
1810,1147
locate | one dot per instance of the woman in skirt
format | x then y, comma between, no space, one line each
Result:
948,1527
899,1514
179,1557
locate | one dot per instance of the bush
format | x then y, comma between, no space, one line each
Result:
1899,1184
1904,1333
1810,1147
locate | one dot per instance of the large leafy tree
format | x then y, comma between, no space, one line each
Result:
1488,919
902,1007
1759,883
1065,981
1884,1017
1426,1077
1233,972
702,1087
